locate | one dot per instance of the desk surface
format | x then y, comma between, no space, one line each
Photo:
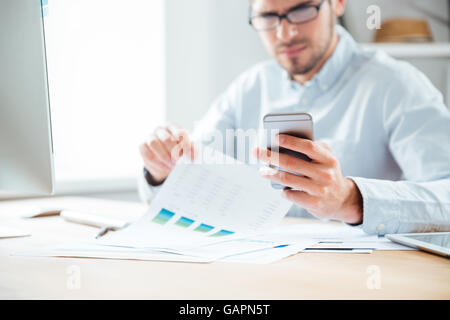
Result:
401,274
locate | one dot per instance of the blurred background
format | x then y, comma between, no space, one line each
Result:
117,69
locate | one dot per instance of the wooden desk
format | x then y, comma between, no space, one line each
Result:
403,274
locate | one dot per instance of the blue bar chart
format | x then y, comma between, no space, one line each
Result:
184,222
222,233
204,228
164,216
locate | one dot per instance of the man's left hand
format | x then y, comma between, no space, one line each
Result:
322,190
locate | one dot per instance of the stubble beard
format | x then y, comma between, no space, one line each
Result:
298,67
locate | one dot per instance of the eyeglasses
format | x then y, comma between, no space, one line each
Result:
297,15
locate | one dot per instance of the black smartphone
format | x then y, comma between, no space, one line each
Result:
294,124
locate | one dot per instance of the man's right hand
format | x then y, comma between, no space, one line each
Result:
162,151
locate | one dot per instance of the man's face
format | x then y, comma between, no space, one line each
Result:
298,48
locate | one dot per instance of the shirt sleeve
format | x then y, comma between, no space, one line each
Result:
417,125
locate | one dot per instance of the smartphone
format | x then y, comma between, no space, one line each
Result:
294,124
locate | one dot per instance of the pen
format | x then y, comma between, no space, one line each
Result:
105,230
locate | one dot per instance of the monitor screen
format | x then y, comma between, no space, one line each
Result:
26,153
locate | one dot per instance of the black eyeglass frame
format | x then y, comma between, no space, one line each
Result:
285,16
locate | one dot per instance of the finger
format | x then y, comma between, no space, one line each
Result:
325,145
288,163
193,154
168,142
160,151
151,161
183,148
150,157
184,145
188,147
293,181
166,136
177,142
313,149
175,130
303,199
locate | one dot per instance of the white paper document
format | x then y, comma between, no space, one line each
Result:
203,212
248,254
336,238
204,205
7,231
264,256
90,249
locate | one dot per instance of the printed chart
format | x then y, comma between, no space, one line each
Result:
165,216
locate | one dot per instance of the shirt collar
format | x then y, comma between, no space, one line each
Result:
336,64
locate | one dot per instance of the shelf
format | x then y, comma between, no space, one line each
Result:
413,50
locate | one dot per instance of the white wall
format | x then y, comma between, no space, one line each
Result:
208,44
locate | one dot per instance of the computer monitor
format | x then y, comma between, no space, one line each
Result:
26,152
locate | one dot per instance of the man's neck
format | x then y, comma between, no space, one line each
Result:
303,78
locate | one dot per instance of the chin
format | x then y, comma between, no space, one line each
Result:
297,65
294,68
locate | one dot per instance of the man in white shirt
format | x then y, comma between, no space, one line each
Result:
381,155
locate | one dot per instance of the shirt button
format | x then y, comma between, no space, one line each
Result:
381,227
305,101
324,87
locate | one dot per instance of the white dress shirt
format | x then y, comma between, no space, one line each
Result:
384,120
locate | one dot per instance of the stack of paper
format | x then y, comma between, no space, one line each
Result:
336,237
7,231
204,212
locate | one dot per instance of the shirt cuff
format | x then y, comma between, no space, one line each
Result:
147,191
150,180
380,215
